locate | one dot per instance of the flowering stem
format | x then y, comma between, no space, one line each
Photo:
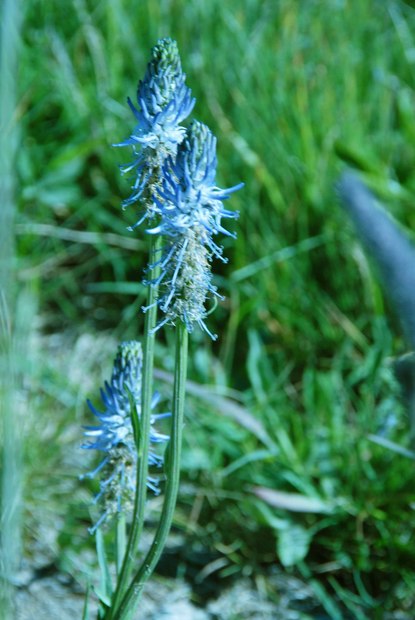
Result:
149,563
120,541
144,434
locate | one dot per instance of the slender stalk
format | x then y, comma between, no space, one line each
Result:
132,596
120,541
144,435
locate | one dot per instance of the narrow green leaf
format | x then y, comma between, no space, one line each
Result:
270,519
105,590
85,612
391,445
120,544
135,418
328,603
257,455
295,502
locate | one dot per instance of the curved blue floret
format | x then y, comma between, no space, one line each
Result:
190,211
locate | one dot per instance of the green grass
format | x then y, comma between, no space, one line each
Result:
294,92
14,318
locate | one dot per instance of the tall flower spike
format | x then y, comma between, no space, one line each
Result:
114,435
164,101
191,213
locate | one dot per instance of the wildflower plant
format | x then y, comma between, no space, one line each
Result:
173,174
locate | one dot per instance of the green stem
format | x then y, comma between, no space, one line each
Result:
120,542
144,435
132,596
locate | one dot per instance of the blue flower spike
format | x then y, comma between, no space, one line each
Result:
113,436
191,210
163,102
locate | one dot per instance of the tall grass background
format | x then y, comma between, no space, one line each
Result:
290,396
14,316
